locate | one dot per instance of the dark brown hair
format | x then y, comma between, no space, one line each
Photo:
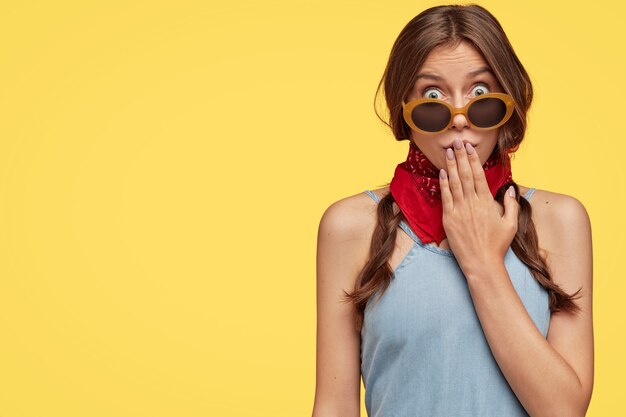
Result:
448,26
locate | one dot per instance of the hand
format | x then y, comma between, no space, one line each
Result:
477,232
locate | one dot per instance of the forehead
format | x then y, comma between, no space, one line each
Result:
453,60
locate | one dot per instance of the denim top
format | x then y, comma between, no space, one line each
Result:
423,350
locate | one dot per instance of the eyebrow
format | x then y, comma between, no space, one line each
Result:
469,74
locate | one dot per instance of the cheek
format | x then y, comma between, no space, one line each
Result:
486,148
431,148
481,155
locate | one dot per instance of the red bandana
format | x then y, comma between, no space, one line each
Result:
415,187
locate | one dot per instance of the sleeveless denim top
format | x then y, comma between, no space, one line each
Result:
423,350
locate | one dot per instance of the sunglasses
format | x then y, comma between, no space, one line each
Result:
483,112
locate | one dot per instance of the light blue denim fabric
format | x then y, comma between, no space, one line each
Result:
423,350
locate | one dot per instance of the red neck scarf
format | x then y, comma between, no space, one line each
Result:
415,187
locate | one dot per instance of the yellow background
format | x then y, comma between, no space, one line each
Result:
163,170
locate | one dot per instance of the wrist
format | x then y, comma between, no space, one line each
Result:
484,270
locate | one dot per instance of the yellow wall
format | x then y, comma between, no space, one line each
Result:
163,170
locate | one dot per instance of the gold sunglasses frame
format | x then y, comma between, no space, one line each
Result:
407,109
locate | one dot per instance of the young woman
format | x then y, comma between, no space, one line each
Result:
454,291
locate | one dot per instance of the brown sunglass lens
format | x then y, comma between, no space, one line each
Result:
430,117
487,112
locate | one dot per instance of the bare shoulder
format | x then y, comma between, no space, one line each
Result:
559,220
557,208
351,217
344,236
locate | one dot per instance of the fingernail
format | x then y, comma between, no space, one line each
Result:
458,144
442,174
512,191
469,148
450,154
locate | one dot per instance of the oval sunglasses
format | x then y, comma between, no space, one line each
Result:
483,112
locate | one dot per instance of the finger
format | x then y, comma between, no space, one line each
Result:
446,195
464,169
480,180
511,208
454,181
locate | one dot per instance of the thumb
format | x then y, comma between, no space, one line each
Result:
511,207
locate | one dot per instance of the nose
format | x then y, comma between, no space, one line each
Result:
459,121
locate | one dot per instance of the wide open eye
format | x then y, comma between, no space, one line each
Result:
480,89
432,93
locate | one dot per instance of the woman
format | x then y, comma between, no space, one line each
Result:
481,305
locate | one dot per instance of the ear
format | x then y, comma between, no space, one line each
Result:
514,149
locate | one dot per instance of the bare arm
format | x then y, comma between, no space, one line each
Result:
341,249
552,377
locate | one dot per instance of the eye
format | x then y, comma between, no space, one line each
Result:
432,93
481,88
